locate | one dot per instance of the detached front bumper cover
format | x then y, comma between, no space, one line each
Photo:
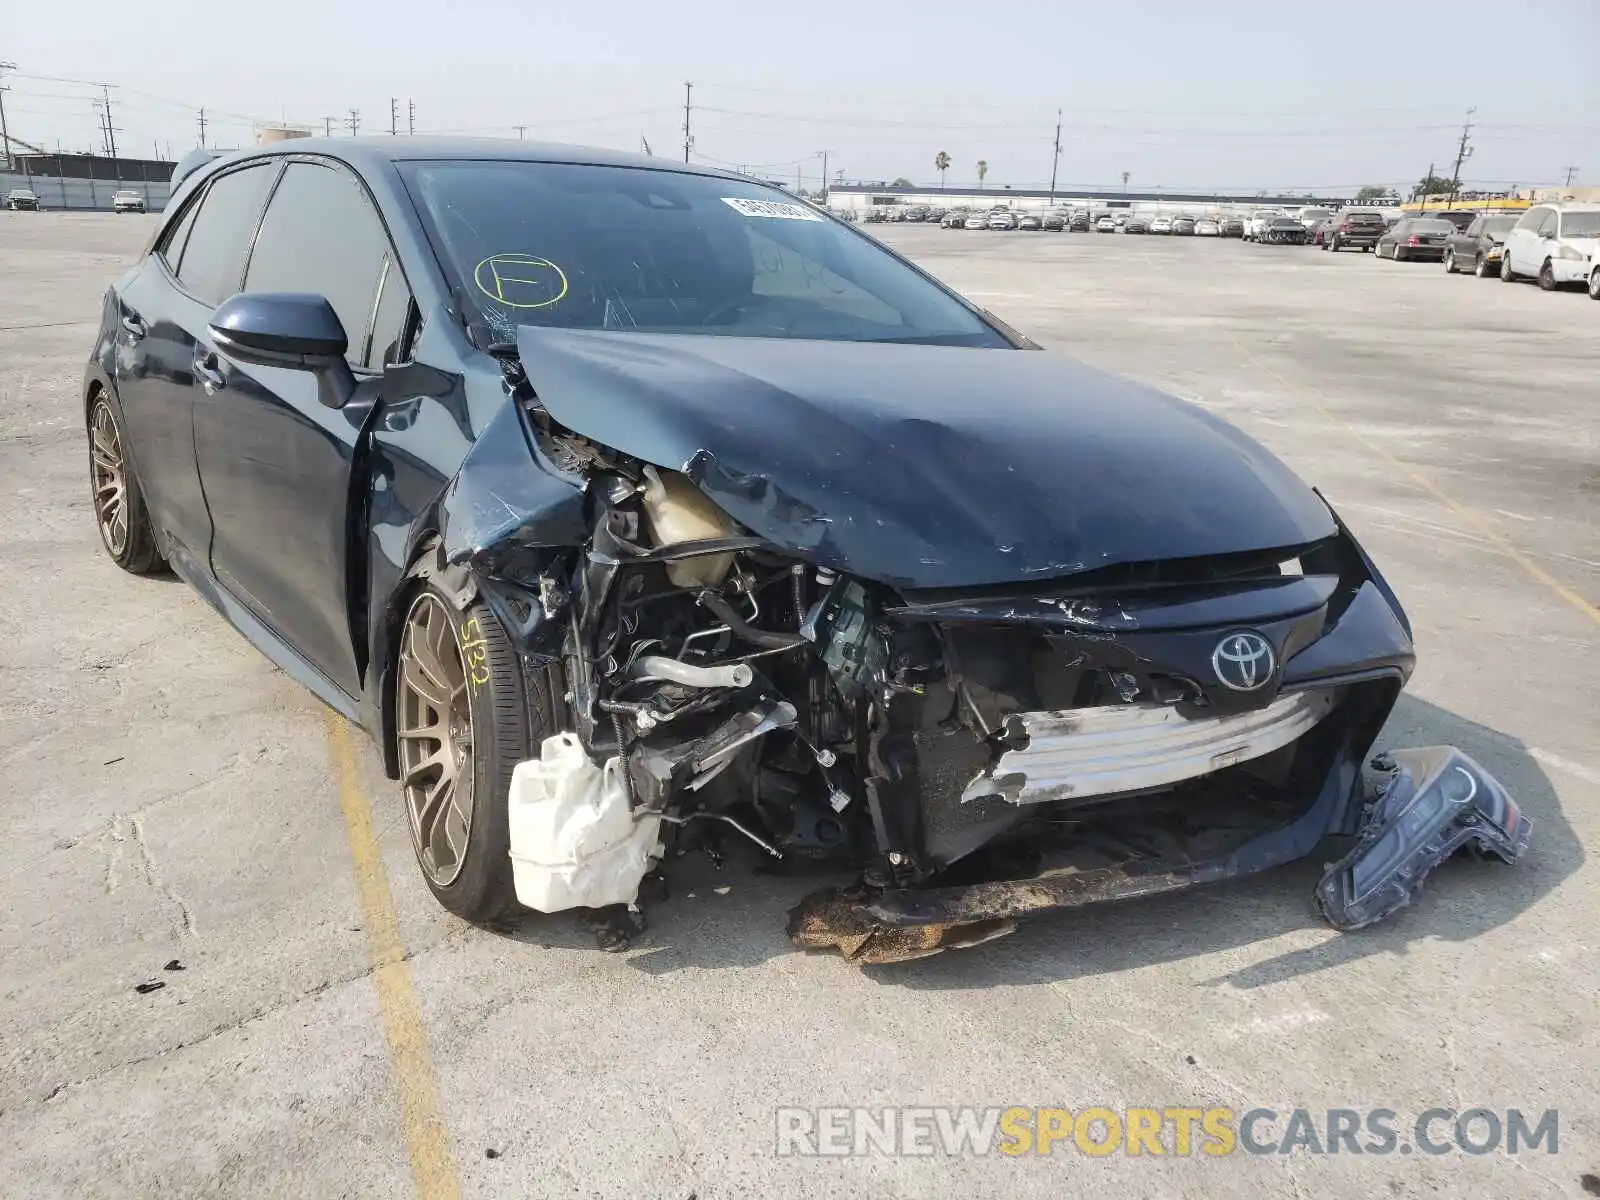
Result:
1435,802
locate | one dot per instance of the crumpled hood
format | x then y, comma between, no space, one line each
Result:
926,466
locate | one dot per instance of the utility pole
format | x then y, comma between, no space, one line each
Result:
394,116
521,129
411,118
355,121
688,138
1571,171
111,131
5,133
1424,192
1055,159
202,129
1463,152
327,126
824,154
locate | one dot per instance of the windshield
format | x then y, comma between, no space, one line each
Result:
626,248
1580,224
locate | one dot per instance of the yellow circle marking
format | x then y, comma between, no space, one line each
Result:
510,278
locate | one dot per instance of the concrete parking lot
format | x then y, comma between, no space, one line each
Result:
171,800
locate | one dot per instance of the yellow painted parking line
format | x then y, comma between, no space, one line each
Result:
433,1168
1478,522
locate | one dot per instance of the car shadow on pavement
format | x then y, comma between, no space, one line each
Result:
734,915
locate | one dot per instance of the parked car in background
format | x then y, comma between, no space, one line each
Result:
1029,221
1161,225
1256,225
1106,225
1477,248
1001,219
1079,222
1208,227
976,220
22,200
1232,227
1281,230
1357,229
1136,224
1317,235
1312,216
956,218
1415,238
1183,226
125,201
1459,217
1555,243
1054,222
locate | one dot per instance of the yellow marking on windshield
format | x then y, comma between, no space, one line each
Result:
515,280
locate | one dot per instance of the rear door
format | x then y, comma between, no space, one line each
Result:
276,463
164,311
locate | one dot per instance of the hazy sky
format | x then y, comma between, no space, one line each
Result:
1195,95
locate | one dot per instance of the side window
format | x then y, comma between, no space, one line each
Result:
1547,227
1531,218
1475,229
171,247
321,235
389,319
213,259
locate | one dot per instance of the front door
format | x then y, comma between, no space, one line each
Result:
277,464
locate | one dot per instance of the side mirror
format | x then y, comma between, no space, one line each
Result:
287,329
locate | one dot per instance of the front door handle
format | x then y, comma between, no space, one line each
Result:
207,372
133,326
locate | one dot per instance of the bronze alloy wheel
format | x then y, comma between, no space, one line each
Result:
433,722
108,476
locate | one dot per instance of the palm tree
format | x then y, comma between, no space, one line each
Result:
941,164
983,169
1125,181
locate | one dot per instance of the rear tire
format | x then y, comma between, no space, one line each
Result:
1400,255
1480,268
114,491
1507,275
1547,277
1449,261
464,717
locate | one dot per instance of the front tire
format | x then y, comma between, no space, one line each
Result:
1507,275
1547,277
1594,284
462,723
1449,261
1480,269
119,508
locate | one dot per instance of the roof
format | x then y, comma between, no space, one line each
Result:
373,151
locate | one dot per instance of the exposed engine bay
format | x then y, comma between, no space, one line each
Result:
969,755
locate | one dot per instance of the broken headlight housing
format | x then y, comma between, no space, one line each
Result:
1435,801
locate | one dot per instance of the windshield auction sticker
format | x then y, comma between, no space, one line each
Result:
770,208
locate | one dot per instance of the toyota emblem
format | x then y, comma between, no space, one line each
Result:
1243,661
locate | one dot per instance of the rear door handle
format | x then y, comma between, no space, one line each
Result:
206,371
133,326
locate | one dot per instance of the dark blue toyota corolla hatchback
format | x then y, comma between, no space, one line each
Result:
638,509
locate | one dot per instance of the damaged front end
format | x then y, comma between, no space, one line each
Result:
973,754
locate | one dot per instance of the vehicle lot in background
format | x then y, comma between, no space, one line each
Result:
22,200
1106,225
1207,227
189,808
1161,225
127,202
